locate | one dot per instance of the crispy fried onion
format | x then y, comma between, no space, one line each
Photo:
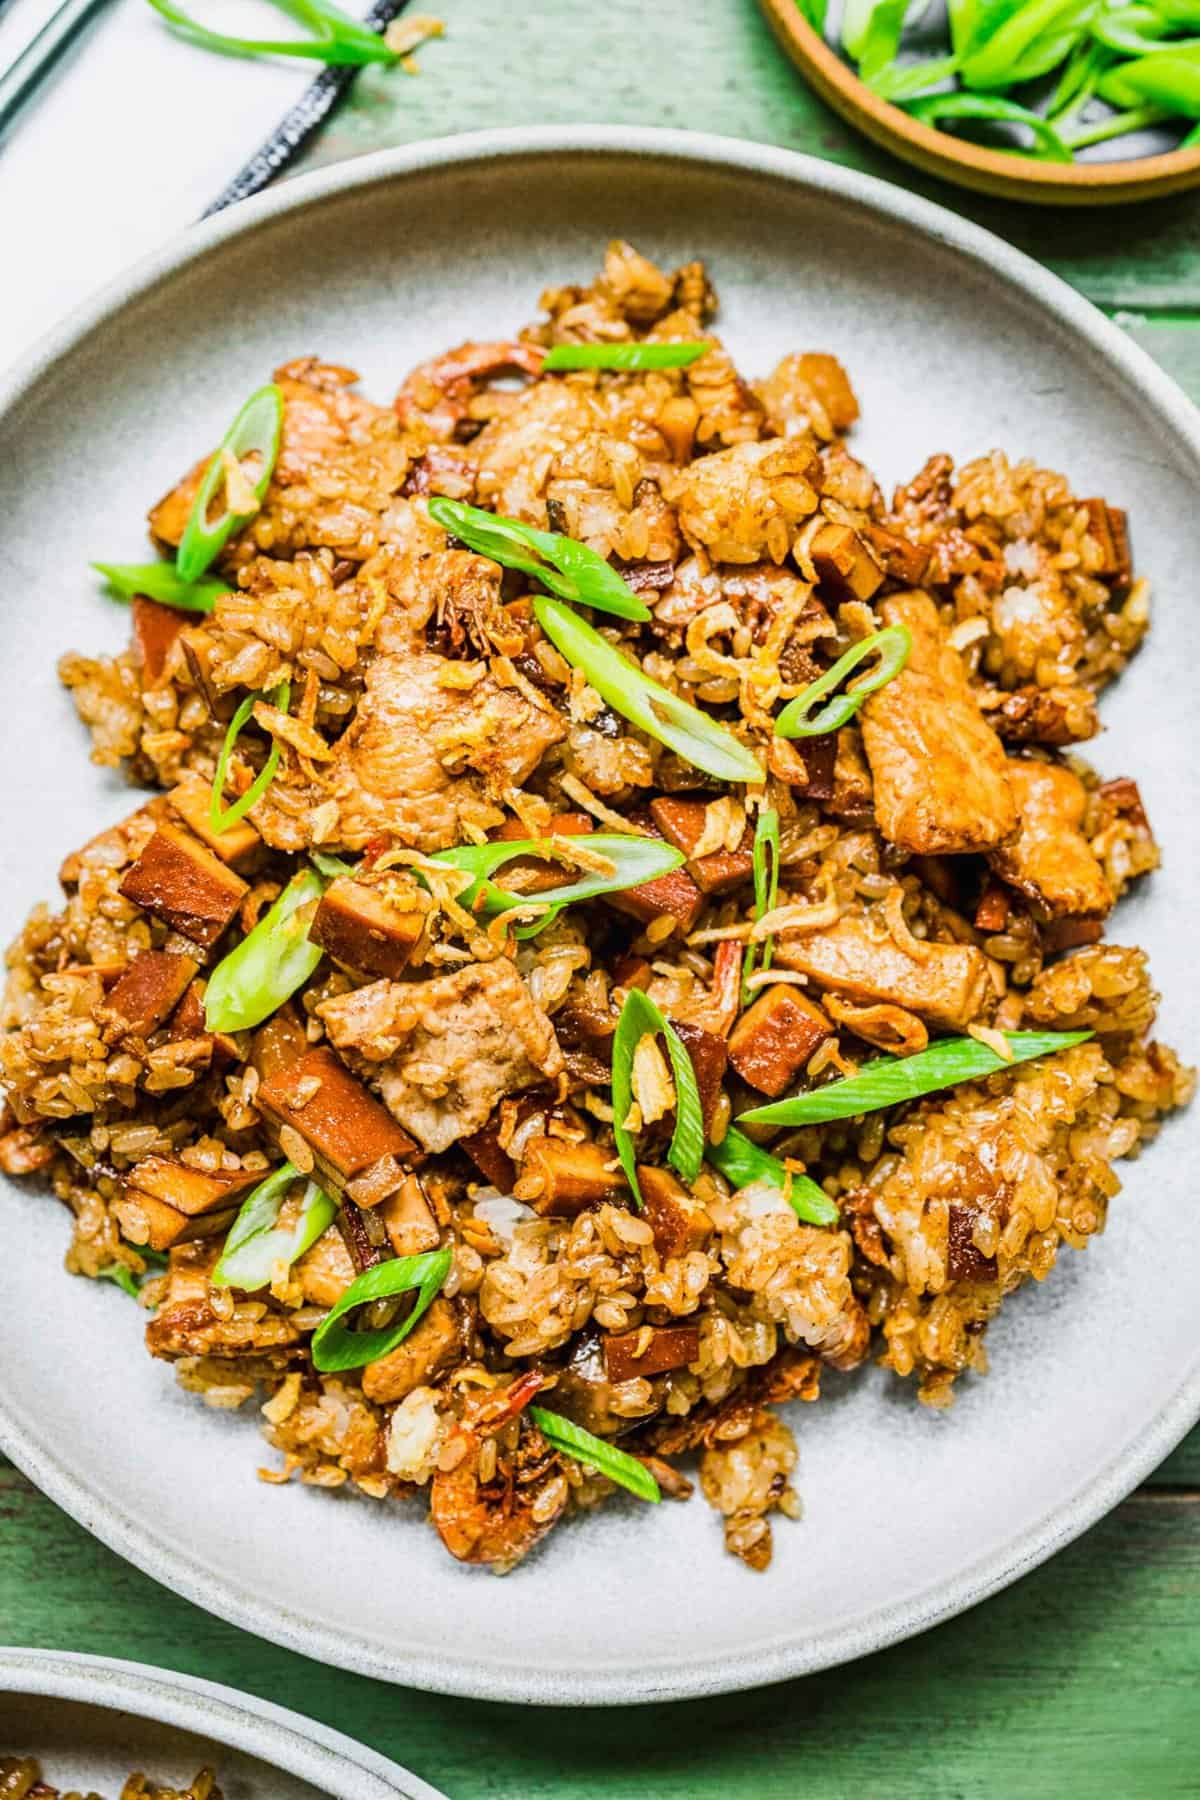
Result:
294,732
724,827
653,1089
800,915
898,927
583,796
888,1027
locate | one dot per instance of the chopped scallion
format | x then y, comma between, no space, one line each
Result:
605,1458
255,1247
634,859
797,719
219,819
335,1346
338,40
270,963
161,581
623,356
641,1017
766,893
568,568
254,433
742,1162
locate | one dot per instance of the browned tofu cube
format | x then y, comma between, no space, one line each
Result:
964,1260
1110,528
346,1127
155,629
191,799
116,842
901,560
673,1213
358,927
631,971
433,1345
182,882
188,1021
629,1354
845,563
280,1040
681,823
147,993
709,1055
188,1190
672,896
573,1176
775,1037
819,756
148,1222
537,875
408,1219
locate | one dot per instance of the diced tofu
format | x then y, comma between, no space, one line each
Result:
183,883
819,756
901,559
948,985
845,563
630,1354
347,1129
155,629
939,770
191,799
1051,861
409,1221
280,1040
431,1347
573,1176
537,875
671,896
964,1260
775,1036
1110,528
147,993
681,823
677,1219
145,1220
710,1055
326,1270
188,1190
187,1021
358,927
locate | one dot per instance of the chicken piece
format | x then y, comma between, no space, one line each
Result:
845,563
947,985
746,503
939,770
191,800
1051,862
147,993
183,883
677,1219
445,1052
148,1222
350,1134
572,1176
155,629
809,391
650,1350
775,1037
358,927
432,1346
682,823
408,1220
188,1190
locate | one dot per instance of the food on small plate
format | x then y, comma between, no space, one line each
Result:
21,1779
615,924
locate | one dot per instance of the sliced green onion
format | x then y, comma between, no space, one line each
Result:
606,1459
222,820
623,356
255,1247
934,108
338,40
335,1346
639,1017
568,568
766,893
122,1276
891,1080
881,39
892,647
742,1162
161,581
814,11
269,964
331,866
989,64
636,859
1118,125
255,431
1166,79
645,703
909,82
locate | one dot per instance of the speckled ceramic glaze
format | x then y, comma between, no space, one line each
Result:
91,1720
955,342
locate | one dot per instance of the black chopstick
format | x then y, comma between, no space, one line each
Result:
35,62
300,123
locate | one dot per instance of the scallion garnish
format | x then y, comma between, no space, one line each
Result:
634,860
122,1276
255,432
742,1162
337,40
270,963
695,737
335,1346
623,356
255,1247
569,569
161,581
891,1080
766,892
641,1017
891,646
219,819
606,1459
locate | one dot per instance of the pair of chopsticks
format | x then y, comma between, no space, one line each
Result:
297,127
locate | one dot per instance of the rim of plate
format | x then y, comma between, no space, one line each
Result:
686,1677
284,1740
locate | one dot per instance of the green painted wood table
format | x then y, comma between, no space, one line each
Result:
1083,1678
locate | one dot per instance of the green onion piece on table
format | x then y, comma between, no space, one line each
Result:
255,1246
222,820
335,1346
254,433
605,1458
797,719
634,859
161,581
891,1080
641,1017
622,356
766,893
569,569
934,108
270,963
338,40
695,737
742,1162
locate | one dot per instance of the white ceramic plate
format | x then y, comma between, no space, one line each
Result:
91,1720
955,342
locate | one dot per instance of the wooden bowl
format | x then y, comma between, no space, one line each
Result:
971,165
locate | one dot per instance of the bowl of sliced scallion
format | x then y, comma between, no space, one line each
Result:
1061,102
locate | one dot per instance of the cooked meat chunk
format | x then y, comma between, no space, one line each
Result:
325,1271
746,503
358,926
350,1134
1051,861
155,629
559,1178
650,1350
948,985
678,1220
846,564
775,1037
938,768
147,993
409,1221
429,1349
184,884
190,1190
191,798
445,1052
